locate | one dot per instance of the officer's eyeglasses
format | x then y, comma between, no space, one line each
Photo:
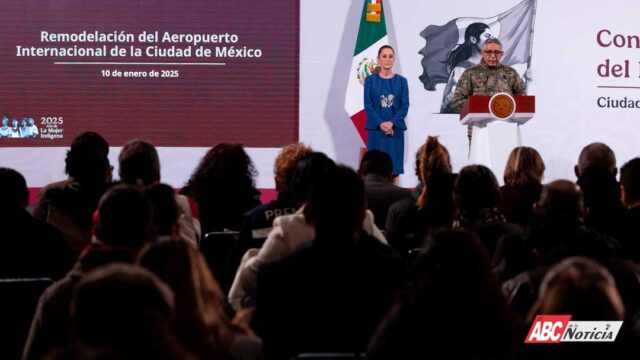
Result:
493,52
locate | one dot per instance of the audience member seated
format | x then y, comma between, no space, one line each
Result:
139,165
87,141
376,169
200,319
627,227
596,172
331,295
70,208
290,232
31,248
477,196
258,222
584,289
165,212
223,187
122,311
122,227
450,287
522,185
561,233
410,219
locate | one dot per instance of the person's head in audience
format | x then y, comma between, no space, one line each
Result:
84,143
582,288
307,171
88,166
434,160
451,282
32,122
88,139
336,204
14,188
126,311
376,162
200,319
15,123
165,209
596,158
561,201
24,122
630,182
596,172
5,120
124,217
225,170
139,163
524,166
285,164
475,190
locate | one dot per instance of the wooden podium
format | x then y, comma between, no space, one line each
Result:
495,122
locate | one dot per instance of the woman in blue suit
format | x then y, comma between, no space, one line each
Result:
386,102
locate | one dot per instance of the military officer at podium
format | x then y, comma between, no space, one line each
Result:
488,78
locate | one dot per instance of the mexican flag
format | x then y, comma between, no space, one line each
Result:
372,34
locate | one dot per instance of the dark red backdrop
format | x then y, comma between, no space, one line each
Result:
253,101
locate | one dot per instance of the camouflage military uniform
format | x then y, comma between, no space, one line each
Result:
484,80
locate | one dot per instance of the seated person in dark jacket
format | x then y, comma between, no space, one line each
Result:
451,283
522,185
331,295
121,311
70,208
223,186
627,227
596,171
258,221
31,248
584,289
376,169
87,141
122,228
477,195
560,233
409,220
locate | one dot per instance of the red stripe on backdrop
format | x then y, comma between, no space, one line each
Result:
266,195
359,119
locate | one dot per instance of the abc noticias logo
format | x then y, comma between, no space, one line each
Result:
553,329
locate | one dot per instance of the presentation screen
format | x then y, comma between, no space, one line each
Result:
177,73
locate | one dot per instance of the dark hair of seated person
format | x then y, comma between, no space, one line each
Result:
451,283
308,169
376,162
165,208
124,217
124,311
201,321
336,203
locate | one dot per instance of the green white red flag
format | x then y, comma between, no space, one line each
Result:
372,34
